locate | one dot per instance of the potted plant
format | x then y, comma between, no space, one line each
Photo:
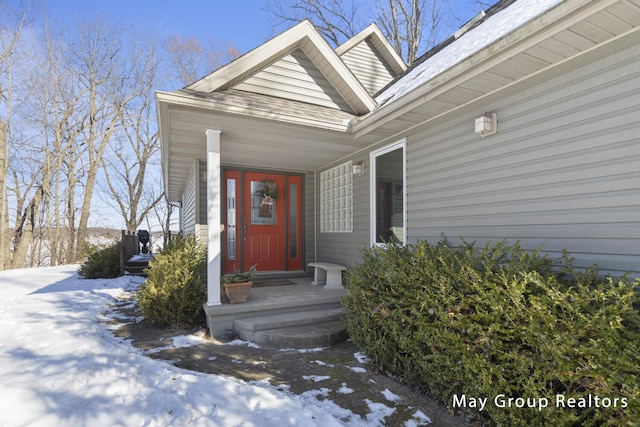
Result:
237,285
269,193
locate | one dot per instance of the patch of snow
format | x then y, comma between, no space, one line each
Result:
187,341
344,389
419,419
357,369
242,342
379,411
390,396
361,357
321,363
178,342
315,393
304,350
60,366
316,378
311,350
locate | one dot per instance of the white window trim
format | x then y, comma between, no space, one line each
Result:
372,189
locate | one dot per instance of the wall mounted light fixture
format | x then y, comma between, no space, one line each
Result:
358,169
487,124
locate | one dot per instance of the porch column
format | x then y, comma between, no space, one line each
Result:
214,204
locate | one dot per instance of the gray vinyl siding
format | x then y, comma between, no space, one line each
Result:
295,77
563,169
188,210
345,248
368,66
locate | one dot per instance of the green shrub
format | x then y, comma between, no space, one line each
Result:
499,320
102,263
174,291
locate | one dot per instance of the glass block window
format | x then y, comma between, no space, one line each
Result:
336,199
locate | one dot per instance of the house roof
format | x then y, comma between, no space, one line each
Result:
509,45
492,29
514,41
306,38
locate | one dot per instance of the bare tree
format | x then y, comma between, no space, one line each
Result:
101,66
134,148
404,22
337,20
411,26
10,32
189,60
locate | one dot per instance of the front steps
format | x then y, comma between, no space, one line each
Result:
304,329
137,264
271,314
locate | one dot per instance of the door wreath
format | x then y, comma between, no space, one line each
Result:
269,193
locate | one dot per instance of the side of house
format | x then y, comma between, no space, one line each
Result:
562,171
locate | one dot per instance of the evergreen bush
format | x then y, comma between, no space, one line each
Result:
175,290
498,320
102,263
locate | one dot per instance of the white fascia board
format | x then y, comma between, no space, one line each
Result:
185,100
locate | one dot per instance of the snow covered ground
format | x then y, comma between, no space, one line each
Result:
60,366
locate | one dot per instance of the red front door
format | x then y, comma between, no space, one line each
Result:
263,223
258,231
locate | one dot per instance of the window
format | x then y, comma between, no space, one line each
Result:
388,194
231,219
336,198
259,217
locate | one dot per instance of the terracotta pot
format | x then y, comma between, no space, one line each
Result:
238,292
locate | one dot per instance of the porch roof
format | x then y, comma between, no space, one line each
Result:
258,131
258,105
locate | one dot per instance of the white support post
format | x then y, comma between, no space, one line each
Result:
214,205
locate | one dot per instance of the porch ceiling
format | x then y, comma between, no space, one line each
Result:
246,141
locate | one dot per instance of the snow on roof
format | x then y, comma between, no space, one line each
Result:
493,29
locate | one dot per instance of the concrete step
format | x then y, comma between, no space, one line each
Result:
283,320
306,329
323,334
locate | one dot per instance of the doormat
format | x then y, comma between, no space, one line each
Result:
265,283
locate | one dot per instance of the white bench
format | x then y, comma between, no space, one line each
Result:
328,274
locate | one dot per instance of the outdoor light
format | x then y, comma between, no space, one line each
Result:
358,169
487,124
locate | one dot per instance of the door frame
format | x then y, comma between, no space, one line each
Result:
238,173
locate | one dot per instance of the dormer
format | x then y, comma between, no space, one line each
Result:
371,58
